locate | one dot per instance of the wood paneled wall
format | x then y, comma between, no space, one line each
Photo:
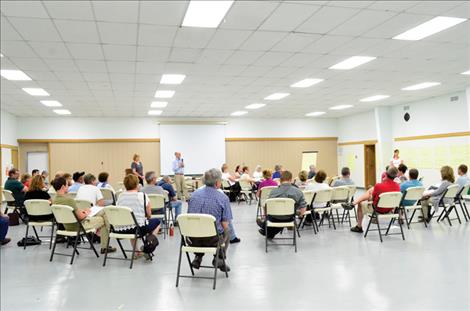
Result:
288,153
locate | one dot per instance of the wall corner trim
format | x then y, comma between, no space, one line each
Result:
230,139
358,142
99,140
433,136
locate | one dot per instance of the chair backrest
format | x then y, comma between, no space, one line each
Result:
71,194
119,215
352,190
332,180
38,207
322,196
245,185
121,186
8,196
464,191
108,194
280,207
63,214
197,225
264,194
225,183
118,193
157,201
277,180
413,193
166,195
340,194
308,196
389,199
83,204
451,192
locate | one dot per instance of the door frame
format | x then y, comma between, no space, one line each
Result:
366,175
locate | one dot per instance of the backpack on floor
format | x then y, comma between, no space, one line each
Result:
150,243
30,240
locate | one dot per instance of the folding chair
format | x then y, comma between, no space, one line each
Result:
447,202
52,193
170,216
38,208
386,200
159,210
459,199
117,194
8,198
281,208
122,216
108,195
340,195
226,187
83,204
246,191
71,195
412,194
352,192
264,195
332,180
64,214
322,197
198,226
308,196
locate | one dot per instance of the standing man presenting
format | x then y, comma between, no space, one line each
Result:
178,170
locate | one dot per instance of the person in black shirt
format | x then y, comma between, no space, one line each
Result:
36,192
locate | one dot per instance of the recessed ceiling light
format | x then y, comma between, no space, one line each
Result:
62,111
1,55
420,86
306,82
352,62
238,113
35,91
172,79
276,96
255,106
158,104
466,72
206,14
164,94
429,28
374,98
341,107
315,114
14,75
155,112
51,103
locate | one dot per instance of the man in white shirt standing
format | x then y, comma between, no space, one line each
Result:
178,170
90,192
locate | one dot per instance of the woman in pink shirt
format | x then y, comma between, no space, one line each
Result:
266,182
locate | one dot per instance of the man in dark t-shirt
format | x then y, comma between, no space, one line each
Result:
15,186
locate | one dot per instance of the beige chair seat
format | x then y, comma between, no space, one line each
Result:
280,224
336,206
40,223
122,236
158,216
321,209
206,250
412,207
73,233
387,216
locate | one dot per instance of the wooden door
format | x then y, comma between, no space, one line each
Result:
369,165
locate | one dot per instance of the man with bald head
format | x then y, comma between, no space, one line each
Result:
178,170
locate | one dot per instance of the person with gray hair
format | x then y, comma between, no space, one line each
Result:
165,183
209,200
312,171
151,187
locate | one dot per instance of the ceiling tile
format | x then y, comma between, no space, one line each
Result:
119,52
78,10
116,11
262,40
78,31
23,9
34,29
326,19
163,12
288,16
193,37
225,39
248,15
295,42
184,55
243,57
118,33
361,22
85,51
156,35
156,54
50,49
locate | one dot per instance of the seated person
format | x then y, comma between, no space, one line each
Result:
141,207
99,221
246,175
238,171
165,183
152,188
463,179
312,171
208,200
77,181
4,223
36,192
34,172
345,179
387,185
16,187
401,177
412,182
285,190
45,176
301,180
267,182
232,181
68,178
432,197
26,179
318,184
90,192
103,181
258,173
277,171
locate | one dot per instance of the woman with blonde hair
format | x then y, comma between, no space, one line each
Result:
433,196
137,168
36,192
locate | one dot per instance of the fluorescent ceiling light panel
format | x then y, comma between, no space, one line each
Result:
62,112
158,104
206,14
341,107
51,103
315,114
276,96
374,98
466,72
155,112
420,86
14,75
255,106
238,113
35,91
352,62
1,55
172,79
306,82
164,94
435,25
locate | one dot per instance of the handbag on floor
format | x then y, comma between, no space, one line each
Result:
13,219
150,243
30,240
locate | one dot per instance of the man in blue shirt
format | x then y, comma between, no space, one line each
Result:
208,200
78,181
412,182
277,171
165,183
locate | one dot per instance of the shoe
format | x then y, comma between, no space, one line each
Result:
261,231
357,229
110,250
400,221
138,255
235,240
5,241
317,216
196,262
308,223
374,221
61,239
222,267
259,222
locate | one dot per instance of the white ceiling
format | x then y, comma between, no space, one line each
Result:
106,58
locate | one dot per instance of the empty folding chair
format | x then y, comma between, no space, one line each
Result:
38,208
352,192
170,217
308,196
447,202
198,226
390,200
108,196
278,209
9,201
264,195
340,195
459,199
157,202
321,204
412,194
65,215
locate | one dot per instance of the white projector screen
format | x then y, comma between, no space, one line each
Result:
202,147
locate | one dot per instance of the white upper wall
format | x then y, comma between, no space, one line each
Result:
357,127
9,128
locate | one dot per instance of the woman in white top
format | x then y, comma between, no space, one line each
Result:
396,161
258,173
246,175
227,176
140,205
318,184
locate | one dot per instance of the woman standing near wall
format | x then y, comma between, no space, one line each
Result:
396,161
138,168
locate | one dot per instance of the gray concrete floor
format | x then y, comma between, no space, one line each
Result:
334,270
